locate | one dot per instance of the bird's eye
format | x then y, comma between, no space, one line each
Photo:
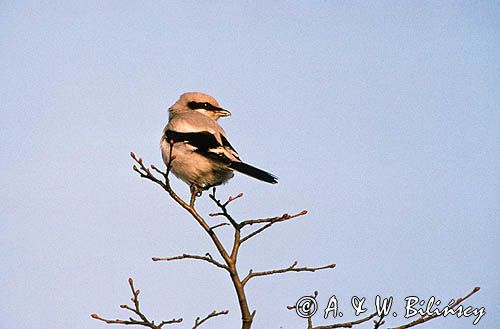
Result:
196,105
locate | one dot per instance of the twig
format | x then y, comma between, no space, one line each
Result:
170,157
269,221
198,322
377,324
206,258
428,318
223,207
159,171
348,324
231,199
273,220
292,268
144,171
136,310
218,225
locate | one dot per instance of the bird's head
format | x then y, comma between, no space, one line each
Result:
199,102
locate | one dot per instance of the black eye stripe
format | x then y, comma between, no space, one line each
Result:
204,105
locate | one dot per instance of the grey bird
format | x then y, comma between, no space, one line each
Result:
201,153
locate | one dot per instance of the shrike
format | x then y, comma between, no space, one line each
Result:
202,155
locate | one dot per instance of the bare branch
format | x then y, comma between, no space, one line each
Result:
218,225
223,207
159,171
269,221
136,310
231,199
198,322
195,192
428,318
292,268
377,324
208,258
170,158
276,219
144,171
348,324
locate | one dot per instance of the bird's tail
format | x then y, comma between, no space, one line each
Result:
254,172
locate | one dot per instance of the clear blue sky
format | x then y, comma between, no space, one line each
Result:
381,119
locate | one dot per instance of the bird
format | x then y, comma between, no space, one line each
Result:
195,147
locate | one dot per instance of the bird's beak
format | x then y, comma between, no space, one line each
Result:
223,112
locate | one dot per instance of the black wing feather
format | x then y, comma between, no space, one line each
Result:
204,142
226,143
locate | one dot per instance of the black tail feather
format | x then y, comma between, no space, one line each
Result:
254,172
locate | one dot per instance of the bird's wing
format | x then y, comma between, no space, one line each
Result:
201,132
205,144
228,147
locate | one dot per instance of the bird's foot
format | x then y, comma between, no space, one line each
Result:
196,190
